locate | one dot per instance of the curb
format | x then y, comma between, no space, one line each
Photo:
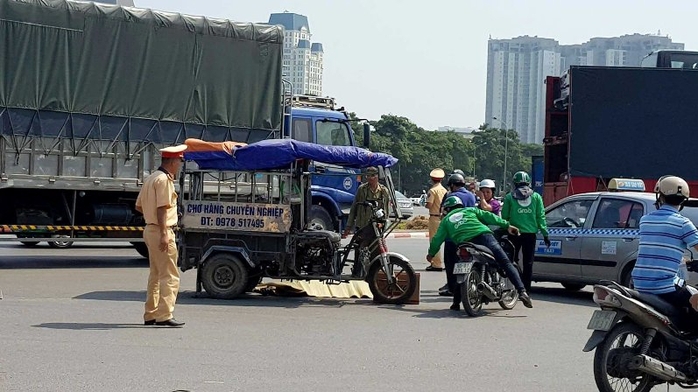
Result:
409,235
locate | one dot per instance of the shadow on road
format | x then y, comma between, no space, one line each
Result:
48,262
544,294
249,300
563,296
88,326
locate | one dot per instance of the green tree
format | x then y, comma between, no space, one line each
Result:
419,151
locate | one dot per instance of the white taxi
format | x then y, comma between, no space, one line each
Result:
594,236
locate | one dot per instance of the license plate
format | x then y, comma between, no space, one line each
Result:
602,320
462,268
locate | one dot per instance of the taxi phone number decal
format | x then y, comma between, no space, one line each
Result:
555,248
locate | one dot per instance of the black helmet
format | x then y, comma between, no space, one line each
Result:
456,179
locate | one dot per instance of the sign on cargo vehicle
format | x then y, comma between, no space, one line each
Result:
268,218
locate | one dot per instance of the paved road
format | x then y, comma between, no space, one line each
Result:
71,320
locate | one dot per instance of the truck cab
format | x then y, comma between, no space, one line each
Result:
315,120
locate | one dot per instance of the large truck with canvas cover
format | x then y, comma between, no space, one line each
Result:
618,122
89,93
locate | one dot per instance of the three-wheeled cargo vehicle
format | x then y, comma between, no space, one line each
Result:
245,216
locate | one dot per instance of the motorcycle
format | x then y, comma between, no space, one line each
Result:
641,341
389,275
480,278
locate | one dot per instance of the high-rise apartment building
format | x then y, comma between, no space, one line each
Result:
303,59
517,67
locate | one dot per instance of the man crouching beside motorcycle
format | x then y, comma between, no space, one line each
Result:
470,225
664,235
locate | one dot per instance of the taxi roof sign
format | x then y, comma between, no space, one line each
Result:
626,184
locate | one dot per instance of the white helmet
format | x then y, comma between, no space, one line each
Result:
674,189
487,183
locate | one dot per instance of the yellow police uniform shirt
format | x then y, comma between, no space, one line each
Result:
434,197
158,191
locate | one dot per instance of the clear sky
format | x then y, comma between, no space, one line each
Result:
427,60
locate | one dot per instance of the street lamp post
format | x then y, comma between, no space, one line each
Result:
506,150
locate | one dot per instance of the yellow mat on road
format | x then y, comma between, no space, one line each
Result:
314,288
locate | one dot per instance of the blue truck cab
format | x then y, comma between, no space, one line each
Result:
314,120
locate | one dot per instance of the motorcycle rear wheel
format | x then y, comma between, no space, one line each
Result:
470,295
623,335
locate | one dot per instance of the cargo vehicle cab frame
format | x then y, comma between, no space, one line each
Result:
316,120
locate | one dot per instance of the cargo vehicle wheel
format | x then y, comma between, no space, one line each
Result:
573,286
400,290
224,276
58,243
252,282
320,218
141,248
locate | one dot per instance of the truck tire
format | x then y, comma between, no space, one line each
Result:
224,276
141,248
252,282
28,244
320,218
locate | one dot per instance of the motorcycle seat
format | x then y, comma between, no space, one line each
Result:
664,307
480,248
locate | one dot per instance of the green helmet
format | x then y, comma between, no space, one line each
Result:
453,202
522,177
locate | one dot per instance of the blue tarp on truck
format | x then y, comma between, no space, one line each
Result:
280,153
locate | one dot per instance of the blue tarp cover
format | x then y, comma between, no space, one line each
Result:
280,153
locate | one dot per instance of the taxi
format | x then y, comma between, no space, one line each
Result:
594,236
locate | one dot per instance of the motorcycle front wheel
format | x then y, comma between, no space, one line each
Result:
403,286
610,371
510,297
470,295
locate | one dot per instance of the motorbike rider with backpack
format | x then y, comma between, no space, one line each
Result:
524,209
664,236
470,225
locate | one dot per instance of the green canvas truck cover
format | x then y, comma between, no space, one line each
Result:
106,60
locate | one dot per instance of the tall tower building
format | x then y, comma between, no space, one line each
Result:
515,92
517,67
303,59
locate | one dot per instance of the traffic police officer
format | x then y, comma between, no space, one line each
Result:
157,201
434,198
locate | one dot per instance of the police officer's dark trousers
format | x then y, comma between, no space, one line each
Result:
525,245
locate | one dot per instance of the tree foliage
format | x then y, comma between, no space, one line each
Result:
419,151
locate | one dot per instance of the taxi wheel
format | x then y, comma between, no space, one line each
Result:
626,278
573,286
